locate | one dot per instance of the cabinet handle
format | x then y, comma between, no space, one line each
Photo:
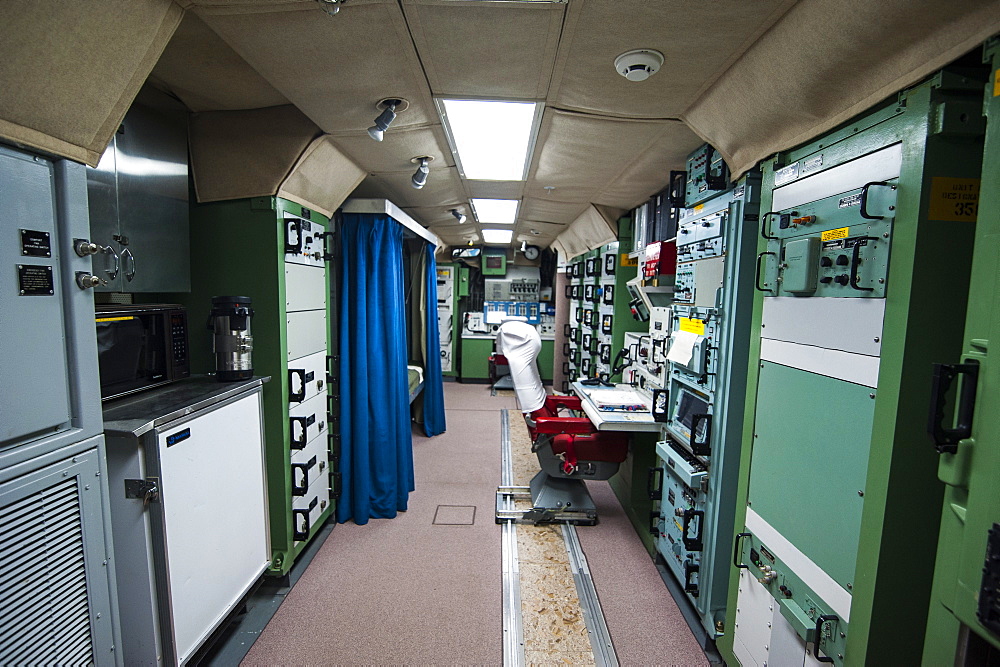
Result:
863,209
690,587
702,447
737,551
693,543
293,395
297,488
856,263
654,483
112,274
760,262
946,439
130,266
821,620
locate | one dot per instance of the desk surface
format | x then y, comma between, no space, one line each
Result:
609,420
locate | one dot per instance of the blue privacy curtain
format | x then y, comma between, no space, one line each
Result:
433,389
377,450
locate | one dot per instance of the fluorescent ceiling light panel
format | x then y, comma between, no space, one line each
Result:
495,211
498,236
491,139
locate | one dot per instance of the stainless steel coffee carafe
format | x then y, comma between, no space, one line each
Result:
232,342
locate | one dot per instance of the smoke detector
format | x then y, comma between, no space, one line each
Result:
638,65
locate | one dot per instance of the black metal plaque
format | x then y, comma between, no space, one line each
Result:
34,280
35,243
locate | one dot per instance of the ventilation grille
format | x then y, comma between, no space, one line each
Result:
44,619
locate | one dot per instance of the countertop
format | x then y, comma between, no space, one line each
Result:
139,413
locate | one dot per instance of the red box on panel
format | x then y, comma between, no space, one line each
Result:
661,259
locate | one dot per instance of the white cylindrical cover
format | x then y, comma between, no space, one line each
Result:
520,343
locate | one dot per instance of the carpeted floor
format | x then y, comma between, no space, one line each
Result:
424,588
407,590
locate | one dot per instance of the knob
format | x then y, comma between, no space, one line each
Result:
842,260
825,261
87,280
842,279
83,247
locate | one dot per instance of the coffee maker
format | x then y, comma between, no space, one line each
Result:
232,341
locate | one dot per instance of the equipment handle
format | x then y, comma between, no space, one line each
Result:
946,439
820,621
300,395
301,489
303,534
764,227
293,224
654,523
856,264
690,587
756,282
298,442
328,239
693,543
654,487
130,268
702,447
863,209
738,549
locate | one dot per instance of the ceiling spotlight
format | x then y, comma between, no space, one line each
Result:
385,118
638,65
419,178
458,215
331,7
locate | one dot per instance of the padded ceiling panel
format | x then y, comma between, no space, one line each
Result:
396,149
322,178
776,97
698,41
649,172
550,211
334,68
488,49
579,154
236,154
70,70
200,69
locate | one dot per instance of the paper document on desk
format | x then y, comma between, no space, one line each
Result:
618,400
682,347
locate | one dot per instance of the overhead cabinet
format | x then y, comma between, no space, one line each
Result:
138,198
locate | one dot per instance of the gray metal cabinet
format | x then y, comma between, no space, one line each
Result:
139,200
189,511
57,575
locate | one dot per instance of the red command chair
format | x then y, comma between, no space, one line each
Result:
569,448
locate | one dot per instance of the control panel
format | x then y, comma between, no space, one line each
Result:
836,246
305,241
707,175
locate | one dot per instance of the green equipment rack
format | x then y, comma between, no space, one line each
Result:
838,501
239,248
963,626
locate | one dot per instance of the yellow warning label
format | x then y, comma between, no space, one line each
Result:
114,319
698,208
692,325
954,199
996,83
629,261
834,234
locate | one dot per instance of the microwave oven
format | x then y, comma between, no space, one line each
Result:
140,347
